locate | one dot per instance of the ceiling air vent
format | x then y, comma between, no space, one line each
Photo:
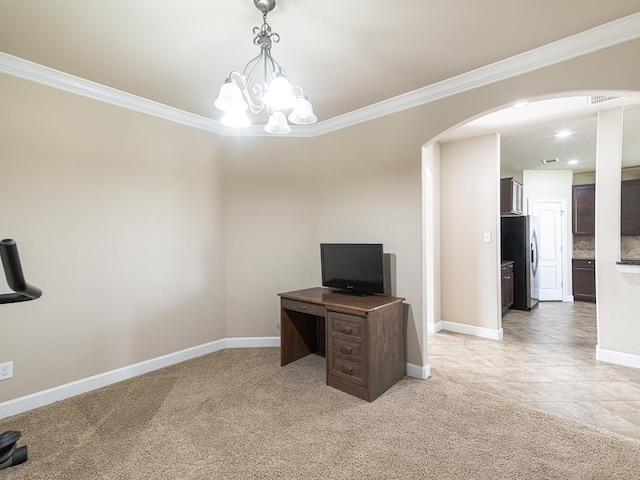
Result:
599,99
550,161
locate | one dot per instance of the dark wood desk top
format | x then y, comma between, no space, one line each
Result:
326,297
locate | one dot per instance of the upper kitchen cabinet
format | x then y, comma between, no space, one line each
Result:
584,209
630,207
584,206
510,196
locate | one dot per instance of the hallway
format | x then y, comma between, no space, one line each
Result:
547,361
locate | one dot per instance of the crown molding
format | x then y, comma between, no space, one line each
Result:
607,35
34,72
603,36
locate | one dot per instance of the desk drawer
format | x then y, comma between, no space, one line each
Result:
351,371
343,324
304,307
347,348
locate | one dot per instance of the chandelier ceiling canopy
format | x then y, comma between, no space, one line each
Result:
264,85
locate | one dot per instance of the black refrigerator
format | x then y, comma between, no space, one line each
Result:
519,243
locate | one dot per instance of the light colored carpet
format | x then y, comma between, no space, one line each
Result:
236,414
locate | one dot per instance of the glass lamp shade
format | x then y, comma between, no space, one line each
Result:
230,97
277,124
302,113
236,118
279,96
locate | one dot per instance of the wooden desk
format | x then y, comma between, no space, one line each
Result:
361,337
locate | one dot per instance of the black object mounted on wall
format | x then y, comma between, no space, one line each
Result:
10,453
15,278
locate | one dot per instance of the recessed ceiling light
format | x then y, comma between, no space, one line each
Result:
572,162
521,104
562,134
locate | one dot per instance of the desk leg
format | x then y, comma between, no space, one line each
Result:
321,336
298,336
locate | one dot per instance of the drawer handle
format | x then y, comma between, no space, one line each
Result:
347,370
347,330
347,350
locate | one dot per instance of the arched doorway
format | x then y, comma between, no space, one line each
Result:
547,114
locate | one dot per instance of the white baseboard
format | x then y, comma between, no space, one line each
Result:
68,390
252,342
619,358
418,371
472,330
434,327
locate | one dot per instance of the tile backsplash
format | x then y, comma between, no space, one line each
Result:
584,246
630,247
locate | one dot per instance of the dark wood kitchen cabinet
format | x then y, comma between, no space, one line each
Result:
584,280
510,196
630,207
506,281
584,209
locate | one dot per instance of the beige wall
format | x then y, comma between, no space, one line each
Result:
540,183
469,209
629,173
271,229
286,196
117,218
584,178
111,190
432,246
370,190
618,293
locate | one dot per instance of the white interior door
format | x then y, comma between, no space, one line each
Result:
550,259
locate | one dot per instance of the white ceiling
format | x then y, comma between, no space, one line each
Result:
528,133
347,55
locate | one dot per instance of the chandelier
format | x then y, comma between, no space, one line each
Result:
263,85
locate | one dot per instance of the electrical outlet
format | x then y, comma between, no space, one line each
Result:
6,370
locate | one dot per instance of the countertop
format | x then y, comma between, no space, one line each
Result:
621,262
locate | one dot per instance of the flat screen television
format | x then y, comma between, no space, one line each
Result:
355,268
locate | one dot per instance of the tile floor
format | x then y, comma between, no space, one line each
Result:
546,360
